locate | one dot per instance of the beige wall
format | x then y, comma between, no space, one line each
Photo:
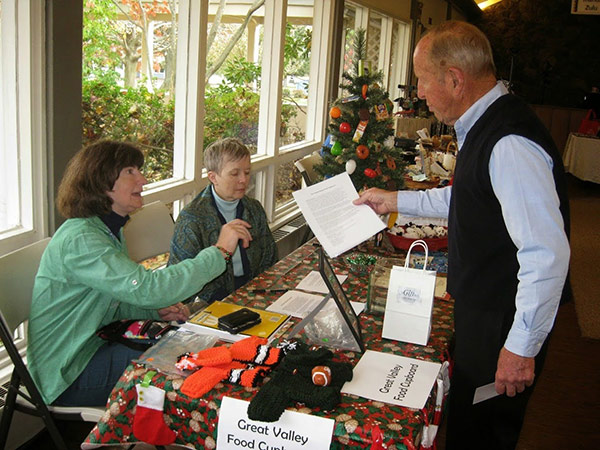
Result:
434,11
399,9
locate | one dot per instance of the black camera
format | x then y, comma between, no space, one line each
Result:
239,320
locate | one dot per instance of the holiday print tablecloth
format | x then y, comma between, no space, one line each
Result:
360,423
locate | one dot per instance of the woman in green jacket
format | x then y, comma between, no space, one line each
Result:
86,279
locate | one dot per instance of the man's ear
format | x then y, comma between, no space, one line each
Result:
457,78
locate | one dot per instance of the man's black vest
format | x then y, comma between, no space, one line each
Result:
482,259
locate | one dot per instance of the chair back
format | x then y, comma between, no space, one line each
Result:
306,167
17,274
149,231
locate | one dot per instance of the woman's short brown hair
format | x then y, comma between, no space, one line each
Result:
223,150
90,174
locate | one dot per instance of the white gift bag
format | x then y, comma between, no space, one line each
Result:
409,302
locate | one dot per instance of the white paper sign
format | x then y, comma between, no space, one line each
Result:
394,379
293,430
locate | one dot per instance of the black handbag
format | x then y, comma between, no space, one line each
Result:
135,334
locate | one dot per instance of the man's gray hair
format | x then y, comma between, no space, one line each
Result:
461,45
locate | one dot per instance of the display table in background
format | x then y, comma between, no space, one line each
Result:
582,157
359,422
408,126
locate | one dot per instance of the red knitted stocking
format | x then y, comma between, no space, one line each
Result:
148,422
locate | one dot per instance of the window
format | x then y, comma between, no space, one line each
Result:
232,94
128,85
22,167
254,69
387,45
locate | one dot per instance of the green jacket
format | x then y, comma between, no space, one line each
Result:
86,280
198,226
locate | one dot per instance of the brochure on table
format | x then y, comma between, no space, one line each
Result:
313,282
393,379
293,430
338,224
300,304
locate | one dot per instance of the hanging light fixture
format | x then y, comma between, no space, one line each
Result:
484,4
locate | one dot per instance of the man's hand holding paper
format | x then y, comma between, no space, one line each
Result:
336,221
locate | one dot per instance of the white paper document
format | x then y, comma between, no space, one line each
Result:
338,224
394,379
485,392
313,282
300,304
295,303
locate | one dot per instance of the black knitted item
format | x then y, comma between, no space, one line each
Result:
292,382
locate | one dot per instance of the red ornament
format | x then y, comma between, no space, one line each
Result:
345,127
364,91
370,173
362,151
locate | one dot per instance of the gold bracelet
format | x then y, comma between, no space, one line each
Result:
227,255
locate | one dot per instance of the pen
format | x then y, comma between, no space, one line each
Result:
264,291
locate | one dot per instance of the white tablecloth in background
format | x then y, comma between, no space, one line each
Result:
409,125
582,157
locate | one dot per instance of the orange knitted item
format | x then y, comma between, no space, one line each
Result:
255,349
204,379
213,356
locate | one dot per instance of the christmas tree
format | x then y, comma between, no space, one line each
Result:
361,135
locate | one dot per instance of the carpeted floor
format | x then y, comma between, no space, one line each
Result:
585,254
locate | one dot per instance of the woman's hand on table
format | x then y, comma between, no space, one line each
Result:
178,312
232,232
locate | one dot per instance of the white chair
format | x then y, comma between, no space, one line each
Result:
17,274
149,231
309,176
306,167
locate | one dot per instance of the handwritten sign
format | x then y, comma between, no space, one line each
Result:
585,7
293,430
394,379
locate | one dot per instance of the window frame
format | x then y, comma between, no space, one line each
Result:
23,95
24,103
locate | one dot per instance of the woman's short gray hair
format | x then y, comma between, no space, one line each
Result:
227,149
462,45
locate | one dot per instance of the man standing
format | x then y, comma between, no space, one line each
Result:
508,219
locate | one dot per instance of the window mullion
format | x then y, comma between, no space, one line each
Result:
270,95
189,94
385,49
320,70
